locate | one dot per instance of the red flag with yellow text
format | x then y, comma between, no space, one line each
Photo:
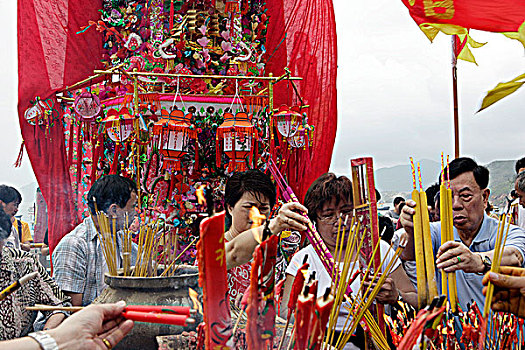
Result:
487,15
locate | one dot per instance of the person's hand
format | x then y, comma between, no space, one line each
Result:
407,214
288,218
388,293
25,247
453,256
44,250
509,291
54,321
95,327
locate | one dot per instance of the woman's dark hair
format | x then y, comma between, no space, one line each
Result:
431,193
520,164
324,189
5,225
398,200
251,181
9,194
464,165
386,228
110,189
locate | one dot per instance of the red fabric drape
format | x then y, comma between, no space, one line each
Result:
488,15
51,56
302,37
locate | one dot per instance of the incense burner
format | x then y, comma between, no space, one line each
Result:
171,290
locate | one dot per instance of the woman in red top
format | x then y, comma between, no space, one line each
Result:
245,190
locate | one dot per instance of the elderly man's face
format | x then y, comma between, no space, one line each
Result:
521,194
468,203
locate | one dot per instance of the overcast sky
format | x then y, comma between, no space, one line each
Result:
394,92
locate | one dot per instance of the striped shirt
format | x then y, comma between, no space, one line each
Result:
15,320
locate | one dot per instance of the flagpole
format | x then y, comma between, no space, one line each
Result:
455,96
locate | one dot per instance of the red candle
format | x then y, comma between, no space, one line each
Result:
297,287
323,306
166,309
303,316
152,317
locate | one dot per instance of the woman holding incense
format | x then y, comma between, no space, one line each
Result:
245,190
328,199
24,282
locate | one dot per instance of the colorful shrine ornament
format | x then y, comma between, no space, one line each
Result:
174,131
119,124
34,115
288,120
303,138
87,105
238,138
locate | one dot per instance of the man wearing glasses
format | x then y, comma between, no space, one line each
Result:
471,252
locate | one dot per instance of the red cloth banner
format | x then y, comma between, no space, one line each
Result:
301,36
51,56
213,280
487,15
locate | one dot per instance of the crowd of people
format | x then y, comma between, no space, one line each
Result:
79,263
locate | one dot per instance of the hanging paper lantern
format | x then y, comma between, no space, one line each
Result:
303,138
174,131
35,114
119,124
238,138
288,120
87,105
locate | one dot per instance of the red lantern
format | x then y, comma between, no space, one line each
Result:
175,133
288,120
238,138
119,124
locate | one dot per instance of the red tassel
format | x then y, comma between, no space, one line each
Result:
18,161
70,143
197,165
99,144
114,166
171,15
80,154
218,145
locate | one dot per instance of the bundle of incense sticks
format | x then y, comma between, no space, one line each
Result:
153,247
357,303
148,244
501,238
425,269
107,235
448,280
312,234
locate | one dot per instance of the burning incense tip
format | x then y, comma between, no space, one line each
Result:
256,217
197,307
200,195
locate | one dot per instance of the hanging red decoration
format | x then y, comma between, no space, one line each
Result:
87,105
303,138
287,120
238,138
175,131
119,124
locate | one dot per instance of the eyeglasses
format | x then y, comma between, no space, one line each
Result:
331,219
